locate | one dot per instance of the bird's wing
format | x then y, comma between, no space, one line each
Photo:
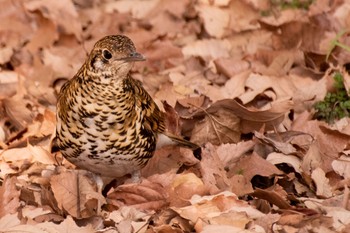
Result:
152,116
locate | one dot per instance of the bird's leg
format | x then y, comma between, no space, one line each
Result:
136,177
99,184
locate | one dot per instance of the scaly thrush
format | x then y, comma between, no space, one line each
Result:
106,121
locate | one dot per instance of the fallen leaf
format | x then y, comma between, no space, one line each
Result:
252,165
342,166
218,127
75,193
273,196
9,196
215,19
143,196
322,183
211,49
278,158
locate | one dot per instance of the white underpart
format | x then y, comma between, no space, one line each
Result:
164,140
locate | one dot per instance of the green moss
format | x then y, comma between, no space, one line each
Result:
286,4
335,105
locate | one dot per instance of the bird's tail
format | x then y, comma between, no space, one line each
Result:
167,138
182,142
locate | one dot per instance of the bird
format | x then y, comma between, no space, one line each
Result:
107,123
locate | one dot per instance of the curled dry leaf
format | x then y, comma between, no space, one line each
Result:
252,119
273,196
278,158
222,208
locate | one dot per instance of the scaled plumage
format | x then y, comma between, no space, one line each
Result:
106,121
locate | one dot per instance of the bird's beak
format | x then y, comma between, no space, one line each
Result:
135,56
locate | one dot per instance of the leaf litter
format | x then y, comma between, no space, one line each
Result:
238,77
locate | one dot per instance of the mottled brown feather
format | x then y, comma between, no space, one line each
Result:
106,121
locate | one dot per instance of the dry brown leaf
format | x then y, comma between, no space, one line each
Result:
168,160
129,219
323,188
213,171
211,49
278,158
274,196
166,22
45,36
231,66
62,13
143,196
221,208
242,16
8,83
253,165
5,54
9,196
75,193
18,110
341,166
282,88
240,185
68,225
183,187
284,147
216,20
217,127
286,16
230,153
139,9
253,119
325,149
30,154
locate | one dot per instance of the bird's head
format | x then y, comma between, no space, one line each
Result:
113,56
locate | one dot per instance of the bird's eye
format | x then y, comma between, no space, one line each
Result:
106,54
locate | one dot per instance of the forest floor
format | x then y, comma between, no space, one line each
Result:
239,77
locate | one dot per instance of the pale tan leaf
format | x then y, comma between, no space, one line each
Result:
278,158
215,19
342,166
322,183
208,49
